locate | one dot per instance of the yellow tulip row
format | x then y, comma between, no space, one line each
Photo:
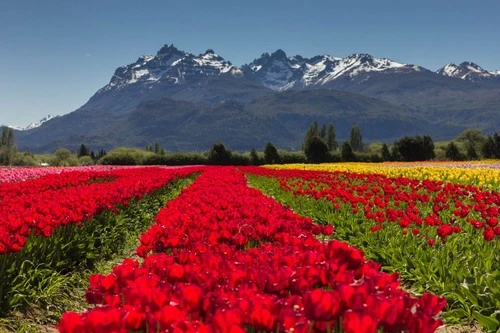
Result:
484,174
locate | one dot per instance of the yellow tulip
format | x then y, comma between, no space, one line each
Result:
484,174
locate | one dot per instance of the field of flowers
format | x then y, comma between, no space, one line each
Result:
224,258
441,237
254,249
57,222
479,173
18,174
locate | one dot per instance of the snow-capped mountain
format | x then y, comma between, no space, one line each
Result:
468,71
170,65
279,72
276,71
34,124
185,101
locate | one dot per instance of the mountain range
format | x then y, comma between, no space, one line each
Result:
187,102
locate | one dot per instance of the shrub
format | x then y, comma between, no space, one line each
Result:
125,156
415,148
292,157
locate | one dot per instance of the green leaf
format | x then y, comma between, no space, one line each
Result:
470,296
489,323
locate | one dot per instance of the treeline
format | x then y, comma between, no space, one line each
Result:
218,154
471,144
319,145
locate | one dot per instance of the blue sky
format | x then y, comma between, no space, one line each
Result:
55,54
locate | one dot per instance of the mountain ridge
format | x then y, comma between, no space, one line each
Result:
360,82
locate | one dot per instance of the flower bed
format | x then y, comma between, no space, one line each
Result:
224,258
484,174
42,205
441,237
19,174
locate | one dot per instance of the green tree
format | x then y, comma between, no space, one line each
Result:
491,147
414,148
24,159
316,150
157,148
254,158
85,160
331,138
322,132
452,152
312,131
428,147
471,138
271,155
83,151
64,157
471,153
101,154
219,154
488,148
386,154
355,138
8,148
496,140
347,152
395,155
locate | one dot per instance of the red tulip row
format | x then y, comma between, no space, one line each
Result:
409,202
18,174
41,205
54,182
224,258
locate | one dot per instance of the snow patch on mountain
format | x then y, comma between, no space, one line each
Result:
278,75
34,124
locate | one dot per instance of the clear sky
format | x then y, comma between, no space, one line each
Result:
55,54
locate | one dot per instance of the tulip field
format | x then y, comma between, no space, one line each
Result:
284,248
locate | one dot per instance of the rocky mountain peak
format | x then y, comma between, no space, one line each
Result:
167,50
467,70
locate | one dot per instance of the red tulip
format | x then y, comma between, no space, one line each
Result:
71,322
322,305
358,322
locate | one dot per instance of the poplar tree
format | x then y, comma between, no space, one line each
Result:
83,151
386,155
7,146
322,132
355,138
271,155
312,131
331,138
